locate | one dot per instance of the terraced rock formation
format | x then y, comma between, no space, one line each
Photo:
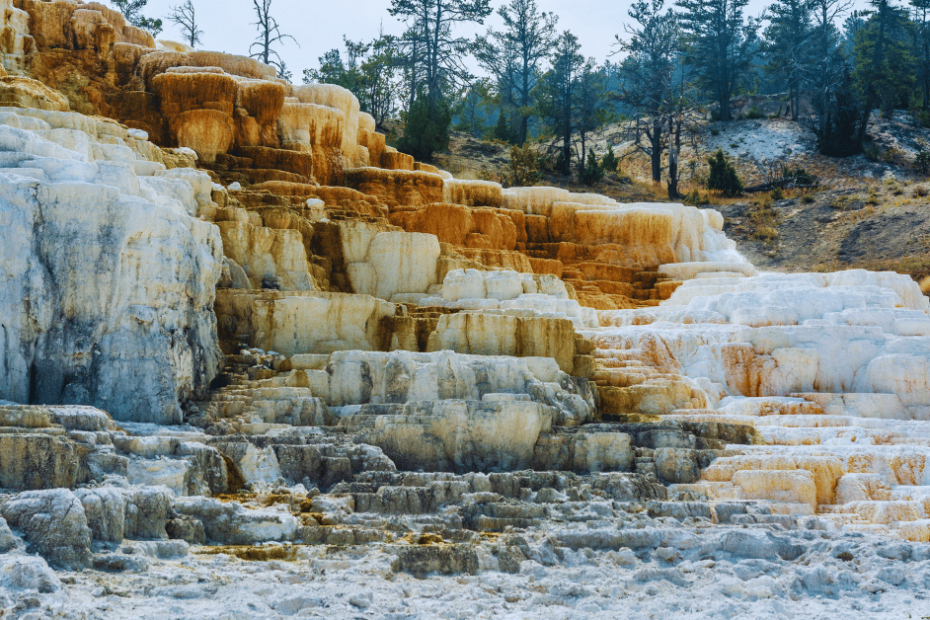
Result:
257,363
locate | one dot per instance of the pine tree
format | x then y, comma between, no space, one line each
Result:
829,69
720,45
590,110
514,55
592,173
610,161
369,71
502,130
556,93
438,54
647,75
132,11
426,131
921,10
787,44
838,127
885,68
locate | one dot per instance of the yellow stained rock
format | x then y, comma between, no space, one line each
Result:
20,92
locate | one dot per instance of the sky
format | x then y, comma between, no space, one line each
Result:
319,26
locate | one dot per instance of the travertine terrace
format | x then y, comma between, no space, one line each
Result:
256,363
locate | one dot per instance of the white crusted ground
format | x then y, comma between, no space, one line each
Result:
668,571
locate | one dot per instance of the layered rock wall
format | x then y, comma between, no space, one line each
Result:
108,278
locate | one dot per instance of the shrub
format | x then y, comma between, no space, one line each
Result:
723,177
696,199
800,176
592,173
808,200
524,168
754,113
776,194
922,162
872,152
714,131
765,233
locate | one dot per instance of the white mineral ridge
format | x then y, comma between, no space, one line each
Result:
107,278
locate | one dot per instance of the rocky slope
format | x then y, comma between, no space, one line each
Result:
257,364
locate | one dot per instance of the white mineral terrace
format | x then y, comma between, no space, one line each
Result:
429,445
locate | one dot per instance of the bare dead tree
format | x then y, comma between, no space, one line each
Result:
269,35
184,15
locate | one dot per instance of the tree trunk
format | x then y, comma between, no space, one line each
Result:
584,152
655,142
673,149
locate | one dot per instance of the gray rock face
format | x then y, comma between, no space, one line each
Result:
54,524
461,436
106,280
37,461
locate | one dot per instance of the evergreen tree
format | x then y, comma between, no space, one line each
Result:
838,128
720,45
379,88
132,11
787,43
610,162
434,64
470,108
426,130
885,68
921,12
590,106
647,75
828,71
502,130
437,53
556,93
514,55
369,71
592,173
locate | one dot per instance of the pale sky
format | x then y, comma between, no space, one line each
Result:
319,26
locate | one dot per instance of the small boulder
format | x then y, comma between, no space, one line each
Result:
54,524
147,512
676,465
8,540
105,509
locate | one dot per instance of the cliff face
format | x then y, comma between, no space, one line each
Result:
108,278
